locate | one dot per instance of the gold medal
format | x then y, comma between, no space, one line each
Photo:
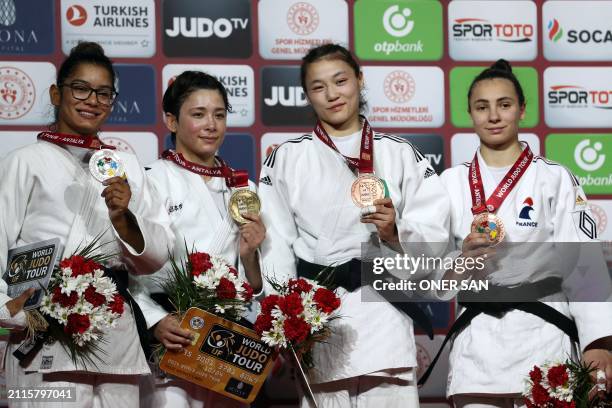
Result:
105,164
490,224
367,188
243,201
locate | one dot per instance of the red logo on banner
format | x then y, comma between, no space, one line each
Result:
76,15
302,18
399,86
17,93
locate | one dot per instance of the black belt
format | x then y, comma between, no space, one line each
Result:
348,275
543,288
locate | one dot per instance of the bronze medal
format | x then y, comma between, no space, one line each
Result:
490,224
366,189
243,201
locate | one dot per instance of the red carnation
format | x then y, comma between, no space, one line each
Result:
291,305
77,323
563,404
326,300
116,306
299,285
200,263
79,265
296,329
93,297
557,376
226,289
263,323
268,303
233,271
63,299
536,375
540,395
248,292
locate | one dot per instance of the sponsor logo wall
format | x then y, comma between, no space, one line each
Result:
418,58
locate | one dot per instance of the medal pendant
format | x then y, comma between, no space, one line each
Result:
243,201
366,189
490,224
105,164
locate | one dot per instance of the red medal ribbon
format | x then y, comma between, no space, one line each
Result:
88,142
233,178
503,189
365,162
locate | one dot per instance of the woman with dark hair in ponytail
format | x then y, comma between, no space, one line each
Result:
509,194
54,189
197,189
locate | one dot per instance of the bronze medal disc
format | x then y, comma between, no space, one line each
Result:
243,201
490,224
367,188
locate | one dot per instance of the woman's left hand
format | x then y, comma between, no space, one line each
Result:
601,360
252,235
384,220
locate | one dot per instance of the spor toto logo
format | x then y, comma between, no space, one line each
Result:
76,15
17,93
589,158
579,96
396,23
399,86
303,18
480,29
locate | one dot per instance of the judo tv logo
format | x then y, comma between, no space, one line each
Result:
24,32
398,31
587,156
17,93
303,18
207,29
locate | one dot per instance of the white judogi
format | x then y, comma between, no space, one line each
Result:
201,221
47,192
491,355
307,207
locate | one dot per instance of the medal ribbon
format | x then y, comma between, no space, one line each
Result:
365,162
88,142
233,178
503,189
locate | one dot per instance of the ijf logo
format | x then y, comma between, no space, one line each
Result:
396,22
399,86
76,15
8,13
17,93
303,18
526,213
588,157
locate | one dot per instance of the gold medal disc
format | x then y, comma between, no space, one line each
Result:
490,224
367,188
243,201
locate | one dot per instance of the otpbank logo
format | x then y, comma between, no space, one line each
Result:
398,30
588,156
577,30
485,30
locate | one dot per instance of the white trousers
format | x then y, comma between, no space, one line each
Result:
177,393
472,401
366,391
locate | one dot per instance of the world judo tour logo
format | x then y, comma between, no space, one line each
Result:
525,214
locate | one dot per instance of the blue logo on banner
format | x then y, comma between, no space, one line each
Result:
238,150
27,27
136,103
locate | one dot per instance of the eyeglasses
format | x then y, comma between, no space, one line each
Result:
82,92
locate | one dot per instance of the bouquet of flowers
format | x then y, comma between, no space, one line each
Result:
561,385
297,317
209,283
79,305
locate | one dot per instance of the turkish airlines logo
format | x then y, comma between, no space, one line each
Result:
76,15
399,86
302,18
396,22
